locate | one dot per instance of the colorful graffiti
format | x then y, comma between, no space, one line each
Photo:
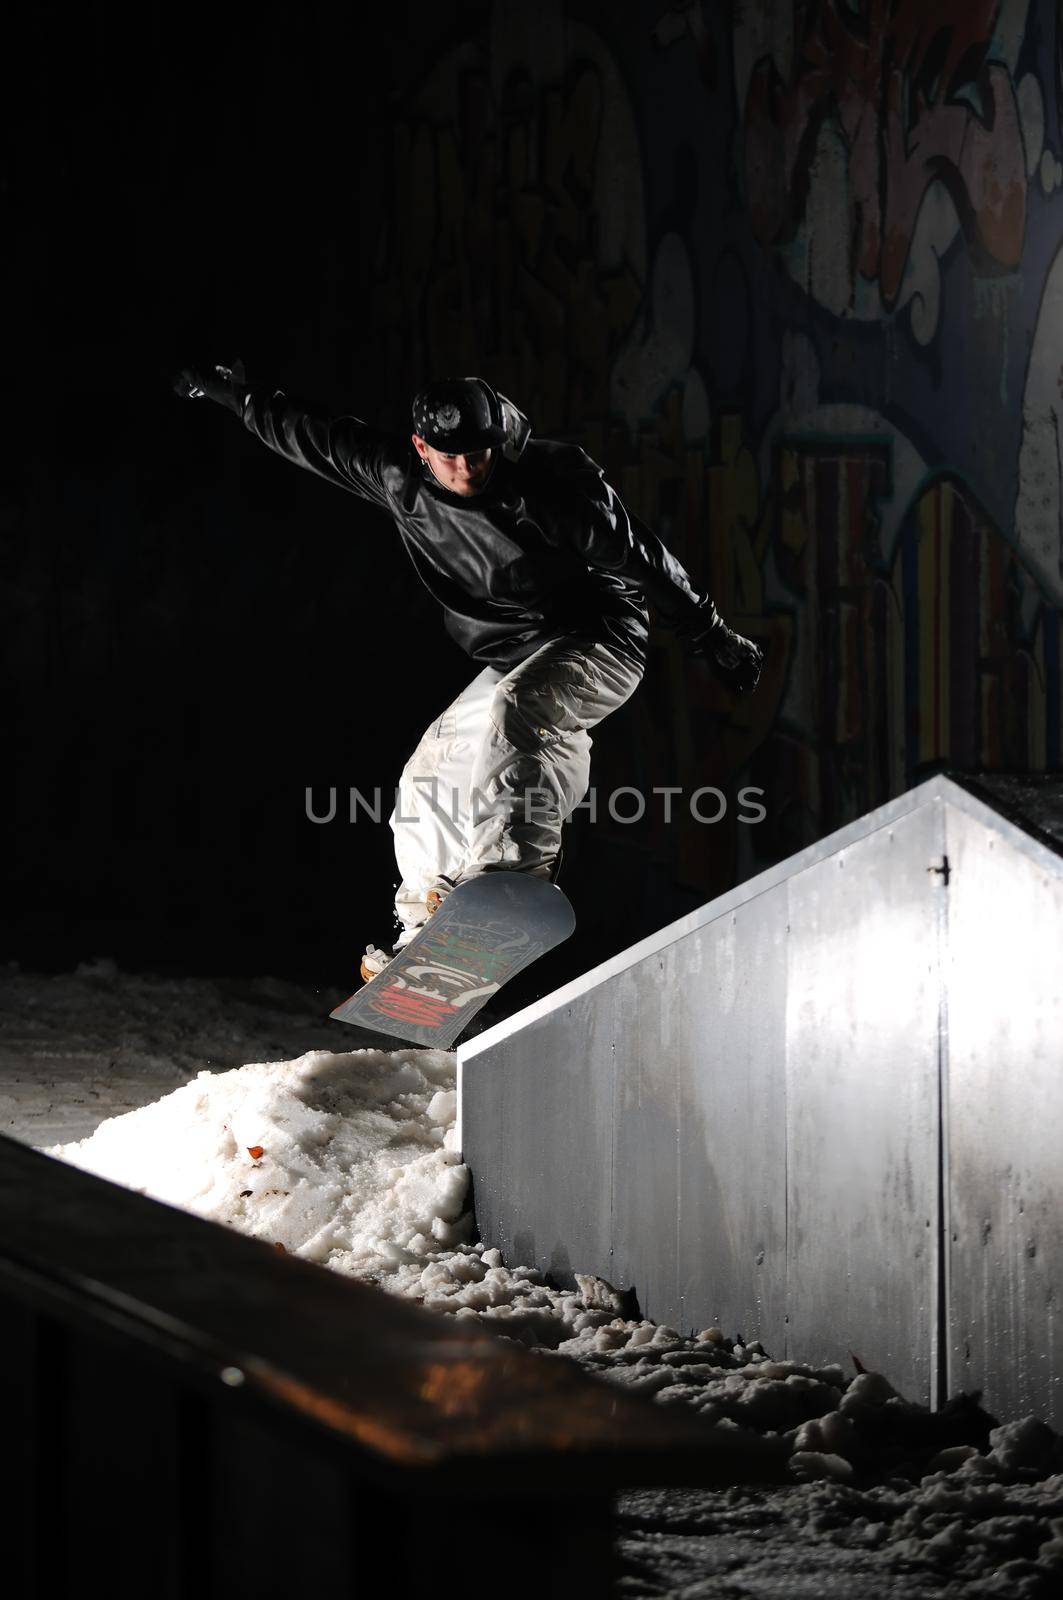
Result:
940,649
1039,493
982,684
915,98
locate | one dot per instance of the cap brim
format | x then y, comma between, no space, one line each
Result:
463,444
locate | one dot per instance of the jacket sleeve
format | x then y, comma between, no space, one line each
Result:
606,535
343,450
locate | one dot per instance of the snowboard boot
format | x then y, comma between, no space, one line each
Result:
374,961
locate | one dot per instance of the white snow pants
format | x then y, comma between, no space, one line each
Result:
493,779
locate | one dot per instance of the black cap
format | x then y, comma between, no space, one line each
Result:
456,415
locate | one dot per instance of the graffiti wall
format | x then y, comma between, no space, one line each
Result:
791,270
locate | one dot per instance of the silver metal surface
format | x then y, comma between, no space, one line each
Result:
646,1055
773,1115
540,1118
732,1123
862,1005
1004,976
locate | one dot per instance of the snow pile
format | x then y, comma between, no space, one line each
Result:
346,1160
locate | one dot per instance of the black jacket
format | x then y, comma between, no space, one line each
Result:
544,550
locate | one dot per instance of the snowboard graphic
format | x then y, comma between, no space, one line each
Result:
484,933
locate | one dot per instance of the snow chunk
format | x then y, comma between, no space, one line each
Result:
598,1295
833,1434
1028,1444
808,1464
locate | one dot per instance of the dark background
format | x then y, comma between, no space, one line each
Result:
195,631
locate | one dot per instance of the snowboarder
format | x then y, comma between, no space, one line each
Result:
543,576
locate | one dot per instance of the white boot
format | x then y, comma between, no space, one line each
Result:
374,961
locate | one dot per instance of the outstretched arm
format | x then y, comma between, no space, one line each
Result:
734,659
342,450
608,536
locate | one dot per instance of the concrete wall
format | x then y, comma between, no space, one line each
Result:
823,1111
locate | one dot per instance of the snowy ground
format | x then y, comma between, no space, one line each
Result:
347,1158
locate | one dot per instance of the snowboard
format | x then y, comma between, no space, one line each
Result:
483,934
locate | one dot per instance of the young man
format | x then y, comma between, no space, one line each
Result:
543,577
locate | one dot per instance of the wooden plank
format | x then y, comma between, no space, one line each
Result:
408,1393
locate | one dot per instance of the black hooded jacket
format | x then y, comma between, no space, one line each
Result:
545,549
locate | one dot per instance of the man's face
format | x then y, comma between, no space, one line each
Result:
461,474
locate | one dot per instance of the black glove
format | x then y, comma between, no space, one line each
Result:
735,660
226,385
